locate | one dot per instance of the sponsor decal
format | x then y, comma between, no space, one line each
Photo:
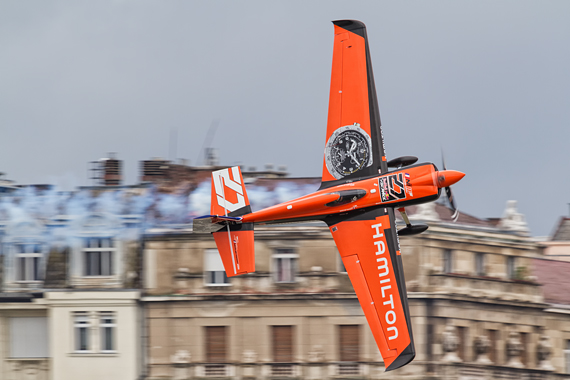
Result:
383,146
348,150
224,184
392,187
383,184
386,290
235,242
408,185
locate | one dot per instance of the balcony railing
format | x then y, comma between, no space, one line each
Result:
215,370
349,369
282,370
508,290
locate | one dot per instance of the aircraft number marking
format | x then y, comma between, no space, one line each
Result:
392,187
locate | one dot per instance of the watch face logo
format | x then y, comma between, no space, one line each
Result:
348,150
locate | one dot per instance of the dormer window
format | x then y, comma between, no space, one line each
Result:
24,255
28,258
98,254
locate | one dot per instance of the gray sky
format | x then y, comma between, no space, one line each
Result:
487,81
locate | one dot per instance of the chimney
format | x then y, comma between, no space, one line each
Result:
154,169
107,171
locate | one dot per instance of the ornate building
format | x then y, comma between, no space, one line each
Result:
477,305
113,283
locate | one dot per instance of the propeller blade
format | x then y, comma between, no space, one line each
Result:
451,200
455,211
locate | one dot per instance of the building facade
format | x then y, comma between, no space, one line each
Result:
111,282
69,293
477,309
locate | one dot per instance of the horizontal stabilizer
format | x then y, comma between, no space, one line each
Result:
212,223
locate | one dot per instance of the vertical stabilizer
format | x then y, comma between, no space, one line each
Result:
229,197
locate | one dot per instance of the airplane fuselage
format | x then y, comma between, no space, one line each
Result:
407,186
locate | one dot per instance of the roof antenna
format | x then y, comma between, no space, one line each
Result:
173,144
208,140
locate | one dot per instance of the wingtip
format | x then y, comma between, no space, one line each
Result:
350,25
402,360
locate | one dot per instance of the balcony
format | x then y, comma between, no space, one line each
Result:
484,287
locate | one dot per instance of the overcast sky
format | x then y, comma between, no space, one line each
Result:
487,81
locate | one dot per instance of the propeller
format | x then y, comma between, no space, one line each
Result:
449,194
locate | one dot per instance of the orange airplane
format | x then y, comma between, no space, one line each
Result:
357,198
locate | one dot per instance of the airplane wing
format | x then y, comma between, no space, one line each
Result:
369,247
354,144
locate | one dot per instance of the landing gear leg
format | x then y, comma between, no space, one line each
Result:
410,229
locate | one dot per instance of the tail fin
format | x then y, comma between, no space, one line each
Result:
233,238
228,193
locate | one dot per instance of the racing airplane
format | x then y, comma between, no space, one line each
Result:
356,199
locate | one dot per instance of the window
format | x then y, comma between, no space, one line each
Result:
107,328
285,265
479,264
567,357
493,334
28,337
349,349
28,257
524,352
462,337
214,271
282,343
98,254
447,261
511,267
81,326
216,343
92,327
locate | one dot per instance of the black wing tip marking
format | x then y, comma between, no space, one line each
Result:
350,25
405,357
